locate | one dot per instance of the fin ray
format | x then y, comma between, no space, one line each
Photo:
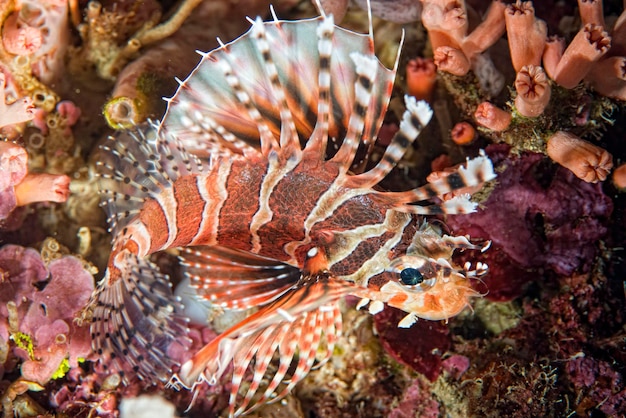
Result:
136,320
236,279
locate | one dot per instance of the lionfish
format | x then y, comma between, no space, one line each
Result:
241,176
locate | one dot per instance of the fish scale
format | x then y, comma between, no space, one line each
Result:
269,217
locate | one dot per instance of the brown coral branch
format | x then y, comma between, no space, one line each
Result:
451,60
165,29
587,161
587,47
526,34
492,117
487,32
533,91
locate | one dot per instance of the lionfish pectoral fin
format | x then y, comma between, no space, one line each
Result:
294,327
137,323
236,279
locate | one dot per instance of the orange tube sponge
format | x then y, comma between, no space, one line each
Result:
619,36
533,91
421,76
526,34
452,60
619,177
463,133
587,47
587,161
492,117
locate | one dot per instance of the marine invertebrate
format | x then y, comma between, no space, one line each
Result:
533,91
525,33
608,77
447,25
588,46
463,133
492,117
619,177
14,113
254,247
20,40
539,216
19,188
421,76
451,60
44,318
587,161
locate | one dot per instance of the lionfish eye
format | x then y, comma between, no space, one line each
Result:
411,276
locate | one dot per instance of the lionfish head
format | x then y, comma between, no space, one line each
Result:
423,280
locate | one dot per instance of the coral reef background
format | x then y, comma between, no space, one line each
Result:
547,339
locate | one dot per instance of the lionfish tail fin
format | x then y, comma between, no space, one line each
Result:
137,326
475,172
292,329
136,165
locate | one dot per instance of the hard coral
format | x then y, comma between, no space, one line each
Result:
586,160
526,34
533,91
44,318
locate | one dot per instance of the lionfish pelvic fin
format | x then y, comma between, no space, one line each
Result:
295,326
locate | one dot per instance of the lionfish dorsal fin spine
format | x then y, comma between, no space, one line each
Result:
415,118
319,138
366,70
268,141
289,141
